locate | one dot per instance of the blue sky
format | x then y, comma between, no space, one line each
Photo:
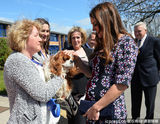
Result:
61,14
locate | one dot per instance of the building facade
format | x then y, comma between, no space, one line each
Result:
57,39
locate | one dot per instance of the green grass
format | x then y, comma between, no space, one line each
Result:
2,86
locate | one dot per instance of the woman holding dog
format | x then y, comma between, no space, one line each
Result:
25,88
111,67
76,38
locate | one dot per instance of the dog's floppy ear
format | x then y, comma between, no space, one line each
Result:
55,65
73,72
61,57
65,56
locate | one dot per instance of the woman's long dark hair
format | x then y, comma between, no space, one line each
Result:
43,21
110,23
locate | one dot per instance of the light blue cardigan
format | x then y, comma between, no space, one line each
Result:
25,89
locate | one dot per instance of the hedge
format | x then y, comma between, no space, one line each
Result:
4,51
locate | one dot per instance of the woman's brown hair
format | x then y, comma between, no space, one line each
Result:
110,23
44,21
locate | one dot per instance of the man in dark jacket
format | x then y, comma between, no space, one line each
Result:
91,41
146,74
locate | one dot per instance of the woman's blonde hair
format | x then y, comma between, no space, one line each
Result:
77,29
19,32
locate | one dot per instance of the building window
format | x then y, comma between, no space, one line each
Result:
3,28
53,37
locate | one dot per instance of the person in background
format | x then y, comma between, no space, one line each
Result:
76,39
66,45
145,78
91,41
41,55
111,67
25,88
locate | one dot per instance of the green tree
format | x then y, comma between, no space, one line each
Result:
4,51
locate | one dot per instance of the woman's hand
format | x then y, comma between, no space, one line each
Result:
83,67
75,54
92,114
69,52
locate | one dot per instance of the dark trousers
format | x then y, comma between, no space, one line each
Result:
136,98
77,119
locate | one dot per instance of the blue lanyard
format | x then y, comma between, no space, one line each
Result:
36,62
42,55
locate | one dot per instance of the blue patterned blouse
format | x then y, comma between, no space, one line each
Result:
119,71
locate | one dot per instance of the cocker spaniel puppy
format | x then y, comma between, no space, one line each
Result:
61,65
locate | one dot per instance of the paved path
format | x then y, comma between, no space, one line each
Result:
4,103
5,114
143,109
